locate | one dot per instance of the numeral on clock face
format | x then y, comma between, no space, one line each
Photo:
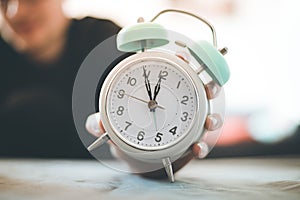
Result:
140,135
128,124
184,100
163,74
121,94
120,110
131,81
178,84
158,137
184,116
173,130
147,74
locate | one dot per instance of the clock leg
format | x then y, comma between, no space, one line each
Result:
101,140
168,167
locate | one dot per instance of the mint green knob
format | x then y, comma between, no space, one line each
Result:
140,36
217,67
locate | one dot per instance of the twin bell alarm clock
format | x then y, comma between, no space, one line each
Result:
163,97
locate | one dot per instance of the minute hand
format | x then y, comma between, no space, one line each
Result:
157,88
147,84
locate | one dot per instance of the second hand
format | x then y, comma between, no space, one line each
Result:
142,100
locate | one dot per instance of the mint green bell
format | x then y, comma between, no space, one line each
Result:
217,67
141,36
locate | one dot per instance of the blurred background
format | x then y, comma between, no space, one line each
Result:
263,93
263,41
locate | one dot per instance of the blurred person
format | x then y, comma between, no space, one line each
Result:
40,53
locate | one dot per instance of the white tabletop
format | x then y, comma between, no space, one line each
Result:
238,178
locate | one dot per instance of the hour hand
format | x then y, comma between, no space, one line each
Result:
157,88
147,84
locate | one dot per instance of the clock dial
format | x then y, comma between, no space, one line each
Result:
151,104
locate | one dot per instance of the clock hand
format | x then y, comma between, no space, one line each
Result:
147,84
157,88
154,119
142,100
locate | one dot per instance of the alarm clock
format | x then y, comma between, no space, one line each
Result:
164,97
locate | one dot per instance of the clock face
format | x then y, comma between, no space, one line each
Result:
151,103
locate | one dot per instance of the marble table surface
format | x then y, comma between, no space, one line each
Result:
226,178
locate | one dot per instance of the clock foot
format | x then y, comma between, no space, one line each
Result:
101,140
168,167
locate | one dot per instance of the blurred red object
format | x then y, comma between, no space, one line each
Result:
235,131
